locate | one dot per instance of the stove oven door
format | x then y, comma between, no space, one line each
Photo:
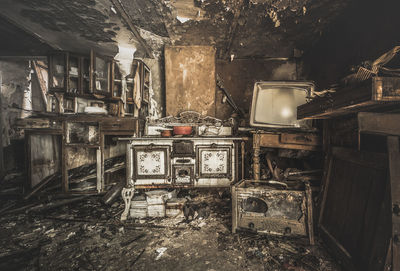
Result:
214,165
151,165
183,175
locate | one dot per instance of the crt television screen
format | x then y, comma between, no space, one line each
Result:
275,103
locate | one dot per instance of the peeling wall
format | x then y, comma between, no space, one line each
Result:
19,89
157,89
14,85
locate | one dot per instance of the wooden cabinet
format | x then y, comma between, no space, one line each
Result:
101,74
116,77
84,147
97,77
58,71
282,140
138,89
146,84
69,73
85,75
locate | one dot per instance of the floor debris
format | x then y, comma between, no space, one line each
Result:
88,235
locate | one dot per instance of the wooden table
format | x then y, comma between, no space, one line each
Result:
301,140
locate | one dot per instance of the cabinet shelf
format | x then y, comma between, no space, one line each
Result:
82,145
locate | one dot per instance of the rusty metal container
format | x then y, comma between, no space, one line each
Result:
263,209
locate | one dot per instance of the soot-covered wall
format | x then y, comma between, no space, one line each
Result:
366,30
240,75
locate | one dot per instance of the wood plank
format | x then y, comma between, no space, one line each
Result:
99,170
381,236
394,165
388,124
371,222
352,219
64,167
358,198
310,216
325,185
301,139
42,82
338,245
338,198
42,184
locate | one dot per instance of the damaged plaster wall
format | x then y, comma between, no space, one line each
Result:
17,91
14,85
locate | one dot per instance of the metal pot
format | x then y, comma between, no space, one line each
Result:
166,133
182,130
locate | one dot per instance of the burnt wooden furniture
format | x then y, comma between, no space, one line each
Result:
76,79
93,143
101,74
355,218
73,141
377,93
284,140
138,88
69,73
116,86
261,208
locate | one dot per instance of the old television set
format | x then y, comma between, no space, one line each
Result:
274,104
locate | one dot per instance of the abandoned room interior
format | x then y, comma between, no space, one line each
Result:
200,135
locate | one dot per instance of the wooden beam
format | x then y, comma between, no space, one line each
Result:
42,82
378,123
125,16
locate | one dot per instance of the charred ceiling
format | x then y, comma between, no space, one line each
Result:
19,41
242,28
71,16
266,28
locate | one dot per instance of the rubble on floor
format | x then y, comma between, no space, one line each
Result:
88,235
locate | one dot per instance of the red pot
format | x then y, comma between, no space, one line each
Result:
166,133
182,130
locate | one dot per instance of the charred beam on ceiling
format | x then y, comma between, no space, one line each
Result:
125,16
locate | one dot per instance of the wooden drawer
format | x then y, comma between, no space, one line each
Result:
119,125
303,139
297,141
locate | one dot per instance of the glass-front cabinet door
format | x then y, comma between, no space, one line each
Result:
85,75
57,71
101,74
73,84
117,81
